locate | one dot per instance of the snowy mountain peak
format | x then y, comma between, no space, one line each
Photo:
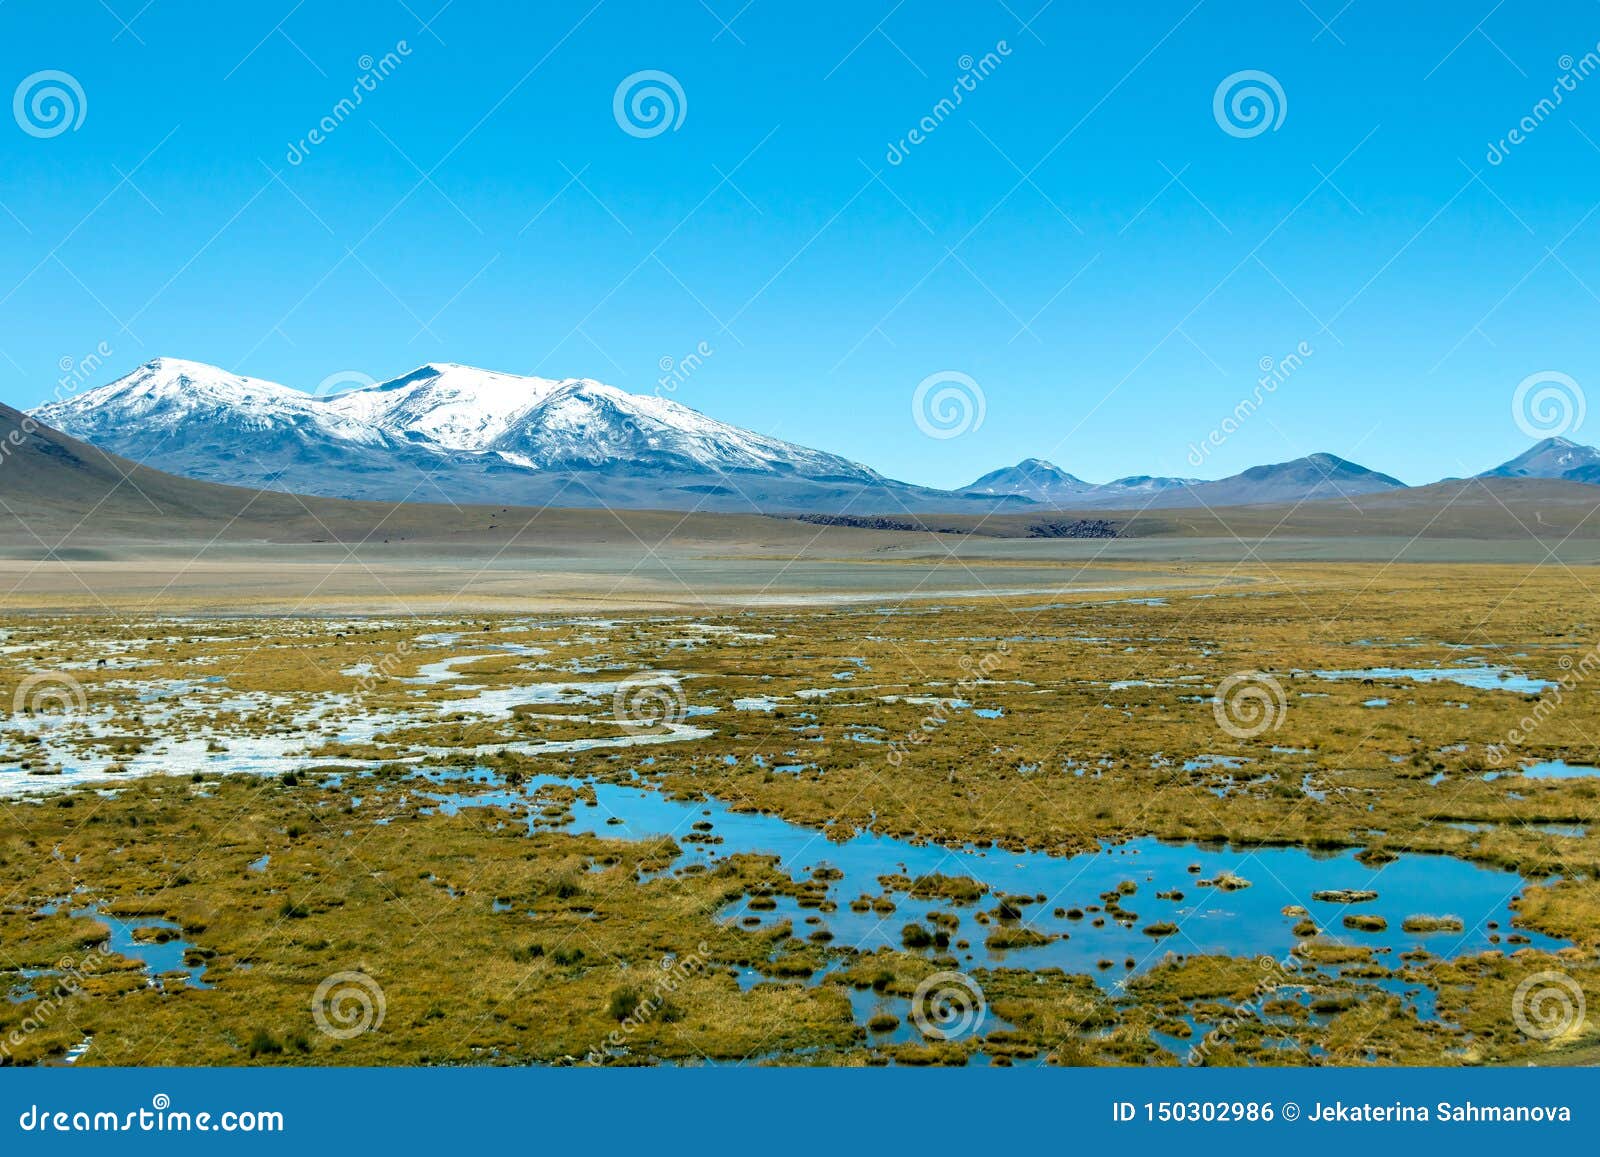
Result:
205,421
169,366
167,395
570,423
165,378
454,406
1551,458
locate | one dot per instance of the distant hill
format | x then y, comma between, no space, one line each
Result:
1311,478
1032,478
1515,511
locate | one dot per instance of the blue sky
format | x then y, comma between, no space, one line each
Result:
1080,236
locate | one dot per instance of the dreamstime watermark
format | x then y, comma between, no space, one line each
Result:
1248,103
341,381
612,440
75,372
939,713
348,1004
973,73
48,103
947,1006
648,103
1548,404
49,693
650,699
1274,372
69,977
948,404
649,1006
373,73
676,371
1248,703
1547,1005
1573,73
1573,674
1276,975
381,667
160,1117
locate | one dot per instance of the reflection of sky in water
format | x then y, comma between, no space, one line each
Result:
1247,922
1484,678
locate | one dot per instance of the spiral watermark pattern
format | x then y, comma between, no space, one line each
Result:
1547,1005
342,380
1249,103
650,698
1548,404
1249,703
948,404
947,1005
348,1004
648,103
48,693
49,103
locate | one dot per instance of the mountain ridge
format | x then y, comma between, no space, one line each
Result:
453,433
1312,477
448,432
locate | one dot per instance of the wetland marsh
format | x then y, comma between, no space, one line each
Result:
1112,826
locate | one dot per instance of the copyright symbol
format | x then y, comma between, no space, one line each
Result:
1291,1111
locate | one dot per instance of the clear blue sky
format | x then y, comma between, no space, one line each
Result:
482,205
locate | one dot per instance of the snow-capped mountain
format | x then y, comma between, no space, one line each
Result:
452,432
1552,458
446,405
197,420
546,424
170,395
